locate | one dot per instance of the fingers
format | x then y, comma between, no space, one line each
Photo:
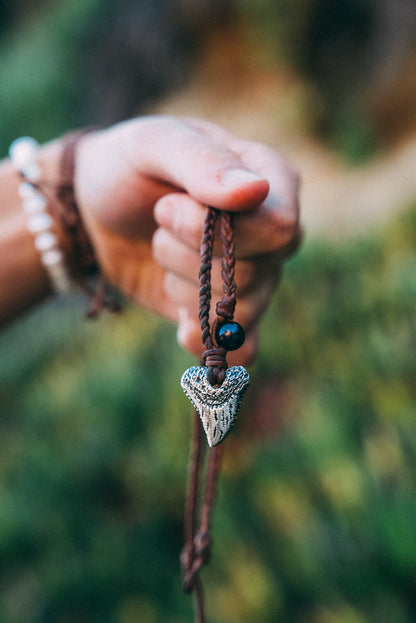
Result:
256,279
270,225
172,150
179,259
178,167
266,229
263,235
249,308
123,171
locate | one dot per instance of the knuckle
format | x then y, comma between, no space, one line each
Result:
261,151
188,337
281,231
174,288
168,283
188,231
283,223
186,222
158,244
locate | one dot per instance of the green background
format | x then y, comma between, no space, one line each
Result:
316,514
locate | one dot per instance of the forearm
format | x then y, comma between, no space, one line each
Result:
23,280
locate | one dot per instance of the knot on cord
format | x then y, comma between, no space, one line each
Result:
225,307
214,359
193,557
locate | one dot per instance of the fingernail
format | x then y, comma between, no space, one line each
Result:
238,177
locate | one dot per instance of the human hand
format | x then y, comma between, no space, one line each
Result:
142,187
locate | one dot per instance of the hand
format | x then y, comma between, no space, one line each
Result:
142,187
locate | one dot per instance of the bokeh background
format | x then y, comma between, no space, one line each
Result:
316,514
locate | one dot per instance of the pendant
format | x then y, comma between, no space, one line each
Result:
217,406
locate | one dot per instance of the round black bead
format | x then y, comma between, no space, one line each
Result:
230,335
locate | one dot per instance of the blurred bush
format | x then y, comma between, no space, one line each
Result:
71,63
316,514
315,517
359,57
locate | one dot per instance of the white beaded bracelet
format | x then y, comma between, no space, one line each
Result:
23,153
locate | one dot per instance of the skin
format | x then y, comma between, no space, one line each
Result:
142,187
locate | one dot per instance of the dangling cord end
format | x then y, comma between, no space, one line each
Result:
197,548
99,299
199,601
188,551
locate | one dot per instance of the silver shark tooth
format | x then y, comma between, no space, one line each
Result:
217,406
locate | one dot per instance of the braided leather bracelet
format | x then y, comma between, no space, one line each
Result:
81,257
55,221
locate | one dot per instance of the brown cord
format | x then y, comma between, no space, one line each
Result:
82,253
81,257
214,356
188,551
197,548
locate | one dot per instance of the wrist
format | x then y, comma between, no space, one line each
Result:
23,280
39,203
44,226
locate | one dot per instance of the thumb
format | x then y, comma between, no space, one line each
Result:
170,150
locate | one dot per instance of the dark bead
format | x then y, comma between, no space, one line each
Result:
230,335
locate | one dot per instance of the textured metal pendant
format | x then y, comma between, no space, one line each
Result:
217,406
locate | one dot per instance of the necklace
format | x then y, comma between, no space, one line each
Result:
216,392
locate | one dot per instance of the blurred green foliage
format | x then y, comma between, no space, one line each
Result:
316,512
42,70
71,63
68,63
338,49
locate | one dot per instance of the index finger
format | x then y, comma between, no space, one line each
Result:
270,227
205,166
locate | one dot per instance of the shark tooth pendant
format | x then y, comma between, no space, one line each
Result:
217,406
214,389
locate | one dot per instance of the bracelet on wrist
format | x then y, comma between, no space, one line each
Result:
23,154
54,219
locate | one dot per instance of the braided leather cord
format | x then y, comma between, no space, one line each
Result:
197,549
82,260
214,357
